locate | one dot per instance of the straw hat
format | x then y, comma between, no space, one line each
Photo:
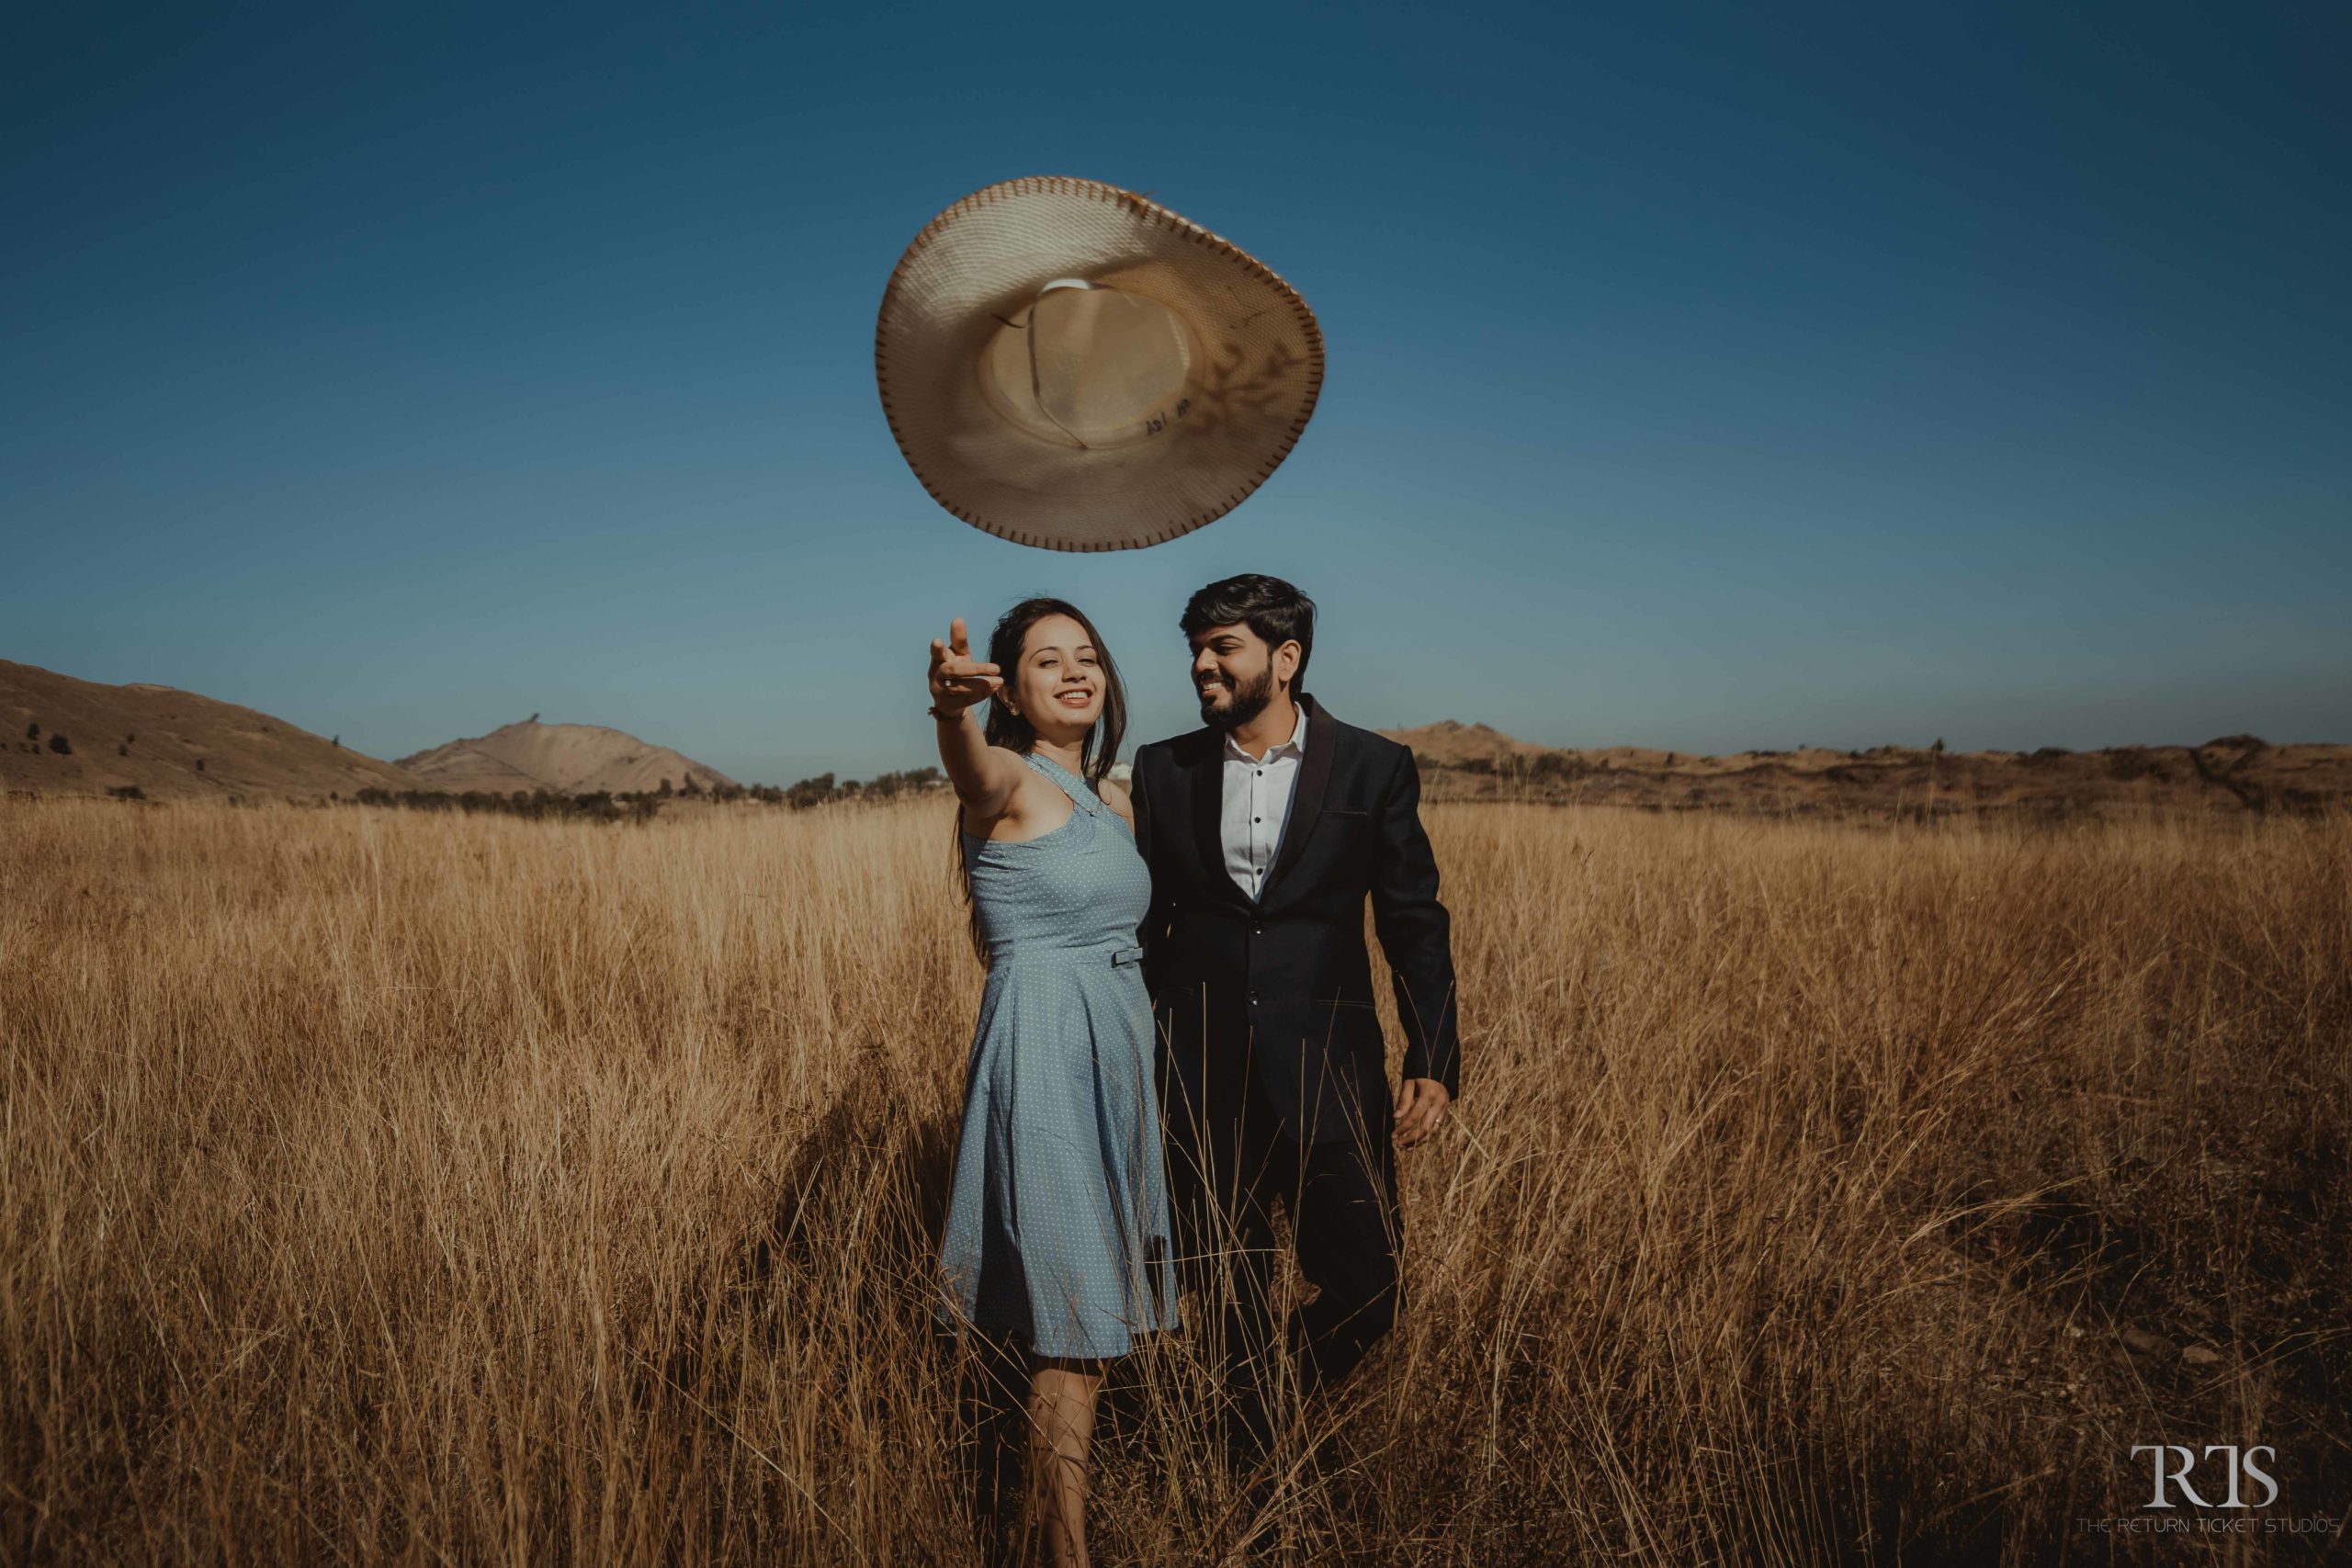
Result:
1067,365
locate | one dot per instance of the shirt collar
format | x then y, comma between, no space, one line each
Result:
1294,746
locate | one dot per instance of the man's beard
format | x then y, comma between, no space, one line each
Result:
1250,700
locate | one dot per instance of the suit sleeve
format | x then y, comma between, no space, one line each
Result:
1414,931
1152,936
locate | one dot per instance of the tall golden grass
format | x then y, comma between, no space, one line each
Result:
389,1187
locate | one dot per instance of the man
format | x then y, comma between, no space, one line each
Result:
1266,830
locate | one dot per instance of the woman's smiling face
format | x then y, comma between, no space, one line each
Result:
1059,687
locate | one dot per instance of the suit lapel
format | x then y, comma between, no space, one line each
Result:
1307,800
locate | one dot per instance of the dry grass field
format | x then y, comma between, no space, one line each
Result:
383,1186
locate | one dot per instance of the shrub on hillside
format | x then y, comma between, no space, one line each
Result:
824,790
888,786
810,792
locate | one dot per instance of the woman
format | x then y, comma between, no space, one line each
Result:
1057,1230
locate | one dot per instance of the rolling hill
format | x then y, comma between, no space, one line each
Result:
61,735
2237,773
574,759
165,743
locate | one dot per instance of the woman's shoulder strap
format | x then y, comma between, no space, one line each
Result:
1081,794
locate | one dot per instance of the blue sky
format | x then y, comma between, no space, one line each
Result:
1702,378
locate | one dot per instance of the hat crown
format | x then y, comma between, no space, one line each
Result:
1088,365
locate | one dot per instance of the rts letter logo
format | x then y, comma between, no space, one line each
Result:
2171,1473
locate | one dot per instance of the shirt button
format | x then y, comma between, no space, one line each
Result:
1256,819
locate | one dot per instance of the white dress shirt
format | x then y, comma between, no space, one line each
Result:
1257,803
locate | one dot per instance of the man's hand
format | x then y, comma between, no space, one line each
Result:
1421,1107
957,681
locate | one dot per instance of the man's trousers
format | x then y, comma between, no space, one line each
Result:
1231,1164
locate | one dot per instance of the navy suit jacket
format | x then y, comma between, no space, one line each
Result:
1286,980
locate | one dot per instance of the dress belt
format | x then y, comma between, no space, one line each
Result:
1120,956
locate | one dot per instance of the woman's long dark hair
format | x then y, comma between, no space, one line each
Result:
1007,729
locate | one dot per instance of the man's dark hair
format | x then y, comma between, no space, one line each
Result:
1277,611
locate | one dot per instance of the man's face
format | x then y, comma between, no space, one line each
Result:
1236,674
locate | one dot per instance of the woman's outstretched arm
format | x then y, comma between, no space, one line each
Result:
985,776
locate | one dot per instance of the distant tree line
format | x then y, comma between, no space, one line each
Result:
642,806
823,791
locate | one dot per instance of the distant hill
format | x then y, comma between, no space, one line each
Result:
576,759
60,735
166,744
1447,744
2237,773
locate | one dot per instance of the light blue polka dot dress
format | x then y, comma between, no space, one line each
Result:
1058,1225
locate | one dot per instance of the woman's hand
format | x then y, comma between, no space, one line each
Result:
957,680
986,777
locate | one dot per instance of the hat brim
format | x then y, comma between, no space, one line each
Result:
982,262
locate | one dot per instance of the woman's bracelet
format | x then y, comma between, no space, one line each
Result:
944,716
